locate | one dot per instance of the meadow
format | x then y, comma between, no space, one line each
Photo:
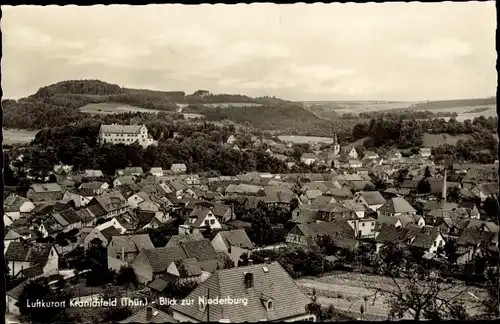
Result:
112,108
17,136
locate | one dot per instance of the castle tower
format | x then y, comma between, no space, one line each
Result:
444,186
336,146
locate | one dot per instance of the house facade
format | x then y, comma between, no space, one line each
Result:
44,192
125,134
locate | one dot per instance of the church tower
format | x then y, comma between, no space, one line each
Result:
336,146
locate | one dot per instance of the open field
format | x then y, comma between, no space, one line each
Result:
305,139
112,108
16,136
434,140
231,104
345,290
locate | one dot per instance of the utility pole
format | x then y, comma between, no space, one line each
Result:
208,306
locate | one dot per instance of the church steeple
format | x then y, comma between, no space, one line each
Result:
336,146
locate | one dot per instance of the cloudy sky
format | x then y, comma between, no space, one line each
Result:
390,51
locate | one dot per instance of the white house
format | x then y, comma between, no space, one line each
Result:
308,158
425,152
371,199
231,139
178,168
96,187
234,243
21,256
125,134
200,218
80,197
14,206
157,171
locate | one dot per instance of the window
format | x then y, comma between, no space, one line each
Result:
207,222
362,224
435,243
118,256
212,221
270,305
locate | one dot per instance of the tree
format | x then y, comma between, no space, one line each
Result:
491,304
126,277
423,186
418,293
39,290
427,172
116,314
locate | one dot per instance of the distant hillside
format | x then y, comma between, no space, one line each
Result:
269,117
444,104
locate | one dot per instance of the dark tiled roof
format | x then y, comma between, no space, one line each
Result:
423,237
160,283
37,253
32,272
13,202
132,243
109,232
16,292
158,316
188,267
275,283
373,197
238,238
161,258
391,234
397,205
474,236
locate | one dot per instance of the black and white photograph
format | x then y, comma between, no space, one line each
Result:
261,162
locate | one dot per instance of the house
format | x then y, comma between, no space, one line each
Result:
185,271
199,219
231,140
79,197
108,205
370,155
263,292
13,297
96,187
178,168
425,152
92,174
22,255
234,243
371,199
138,198
223,213
339,230
485,190
125,134
133,171
426,239
124,180
100,237
14,206
149,315
394,155
308,158
192,180
157,171
67,219
350,151
154,262
123,249
396,207
45,192
472,243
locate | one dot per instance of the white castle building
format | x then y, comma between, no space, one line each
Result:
125,134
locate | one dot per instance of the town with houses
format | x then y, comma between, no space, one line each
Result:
165,227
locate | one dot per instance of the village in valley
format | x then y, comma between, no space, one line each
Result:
298,246
169,163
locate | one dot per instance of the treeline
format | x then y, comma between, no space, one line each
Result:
455,103
406,114
198,146
85,87
387,133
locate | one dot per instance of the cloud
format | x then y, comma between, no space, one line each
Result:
438,49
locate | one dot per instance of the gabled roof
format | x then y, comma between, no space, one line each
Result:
16,292
124,180
93,174
13,203
188,267
422,237
372,197
32,272
275,283
132,243
111,201
474,236
158,316
397,205
37,253
391,234
46,187
237,238
339,229
109,232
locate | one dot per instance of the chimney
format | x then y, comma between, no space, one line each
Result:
123,253
250,262
267,260
149,313
444,186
